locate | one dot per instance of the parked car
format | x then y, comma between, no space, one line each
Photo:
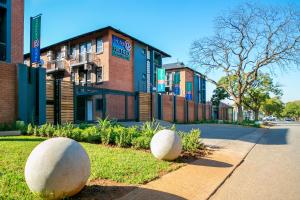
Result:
289,119
269,118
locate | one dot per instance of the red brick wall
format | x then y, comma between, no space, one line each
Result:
208,111
120,70
180,101
200,112
8,95
130,107
191,106
115,106
167,102
17,31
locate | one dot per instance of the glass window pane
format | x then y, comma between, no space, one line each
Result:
83,48
99,46
89,47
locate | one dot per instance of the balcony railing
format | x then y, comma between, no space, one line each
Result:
2,51
56,65
82,58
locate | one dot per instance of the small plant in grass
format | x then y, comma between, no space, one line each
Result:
75,134
106,135
123,136
191,141
141,142
150,128
91,134
30,129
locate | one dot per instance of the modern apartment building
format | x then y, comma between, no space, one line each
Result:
11,30
105,58
184,81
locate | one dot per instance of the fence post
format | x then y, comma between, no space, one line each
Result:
126,107
174,108
104,106
57,101
74,103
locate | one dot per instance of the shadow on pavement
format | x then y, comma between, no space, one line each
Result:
115,192
275,136
211,163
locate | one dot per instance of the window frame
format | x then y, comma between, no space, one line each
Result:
102,46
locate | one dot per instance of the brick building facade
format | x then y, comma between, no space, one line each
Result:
104,58
12,31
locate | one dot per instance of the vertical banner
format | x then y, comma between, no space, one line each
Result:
161,74
35,39
188,93
177,83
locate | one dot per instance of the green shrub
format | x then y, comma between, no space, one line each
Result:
84,125
106,135
36,131
191,141
91,134
141,142
122,137
150,128
20,125
75,134
30,129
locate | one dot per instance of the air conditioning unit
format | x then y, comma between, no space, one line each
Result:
64,51
50,55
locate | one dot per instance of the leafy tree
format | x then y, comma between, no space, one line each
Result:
273,106
219,94
292,110
259,92
247,40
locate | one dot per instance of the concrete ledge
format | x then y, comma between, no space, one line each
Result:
10,133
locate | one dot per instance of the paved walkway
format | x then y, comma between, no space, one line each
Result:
201,178
270,171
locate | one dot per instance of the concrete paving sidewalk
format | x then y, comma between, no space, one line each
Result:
200,179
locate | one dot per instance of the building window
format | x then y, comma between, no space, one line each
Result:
99,104
73,76
73,52
58,55
82,48
89,47
99,74
99,46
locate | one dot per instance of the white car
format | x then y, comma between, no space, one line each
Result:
269,118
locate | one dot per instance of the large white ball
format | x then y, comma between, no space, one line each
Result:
57,168
166,145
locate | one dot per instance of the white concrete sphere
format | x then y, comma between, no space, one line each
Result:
57,168
166,145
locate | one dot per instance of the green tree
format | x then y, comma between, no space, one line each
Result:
219,94
292,110
248,40
273,106
259,92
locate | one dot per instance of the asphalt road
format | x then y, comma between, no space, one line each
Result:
270,171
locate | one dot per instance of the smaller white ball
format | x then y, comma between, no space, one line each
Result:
166,145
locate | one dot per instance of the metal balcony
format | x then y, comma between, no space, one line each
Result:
2,51
56,66
81,59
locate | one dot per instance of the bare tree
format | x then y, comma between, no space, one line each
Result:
247,40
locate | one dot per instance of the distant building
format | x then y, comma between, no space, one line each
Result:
184,81
11,31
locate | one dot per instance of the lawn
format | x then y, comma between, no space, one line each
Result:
118,164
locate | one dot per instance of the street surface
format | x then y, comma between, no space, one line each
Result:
270,171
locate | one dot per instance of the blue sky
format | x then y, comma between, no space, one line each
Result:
170,25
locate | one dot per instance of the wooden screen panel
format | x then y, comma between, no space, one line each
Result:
50,114
144,107
50,90
67,102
